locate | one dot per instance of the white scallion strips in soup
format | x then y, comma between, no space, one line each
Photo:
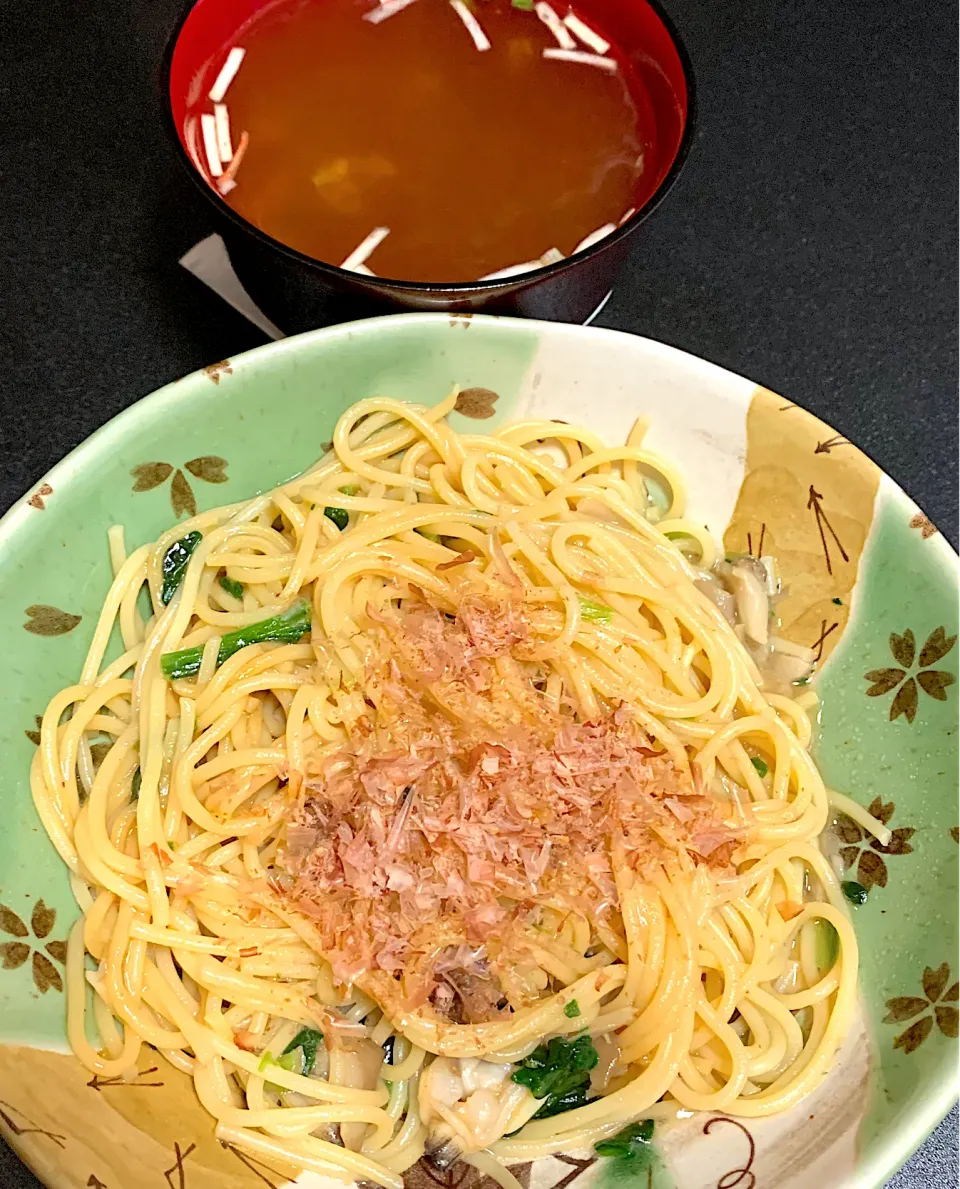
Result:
450,129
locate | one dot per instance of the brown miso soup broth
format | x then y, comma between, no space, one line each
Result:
474,160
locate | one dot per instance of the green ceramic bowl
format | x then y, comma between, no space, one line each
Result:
870,584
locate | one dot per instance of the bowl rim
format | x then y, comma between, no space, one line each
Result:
342,276
924,1111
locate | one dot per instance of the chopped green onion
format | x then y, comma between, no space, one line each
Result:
350,489
135,784
595,612
572,1010
232,587
286,628
292,1061
761,765
339,516
523,5
424,532
838,602
855,892
174,564
307,1040
632,1141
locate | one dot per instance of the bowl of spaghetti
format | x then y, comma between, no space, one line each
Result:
475,751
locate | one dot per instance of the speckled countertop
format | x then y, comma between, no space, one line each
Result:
810,244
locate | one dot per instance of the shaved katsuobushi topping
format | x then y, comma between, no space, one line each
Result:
466,801
488,136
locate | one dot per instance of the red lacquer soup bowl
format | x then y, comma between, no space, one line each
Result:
299,292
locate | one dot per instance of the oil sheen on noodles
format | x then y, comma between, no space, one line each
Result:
476,604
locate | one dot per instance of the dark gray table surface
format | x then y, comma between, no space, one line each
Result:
810,244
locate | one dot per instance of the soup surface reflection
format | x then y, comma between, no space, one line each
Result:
472,160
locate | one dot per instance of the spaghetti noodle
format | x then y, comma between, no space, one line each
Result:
444,809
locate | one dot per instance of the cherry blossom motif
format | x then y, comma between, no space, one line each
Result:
13,954
36,500
906,679
924,524
936,1005
860,848
44,620
476,402
214,371
210,468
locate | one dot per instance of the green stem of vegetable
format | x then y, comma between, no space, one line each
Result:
174,564
232,587
307,1040
594,612
827,947
287,628
292,1062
